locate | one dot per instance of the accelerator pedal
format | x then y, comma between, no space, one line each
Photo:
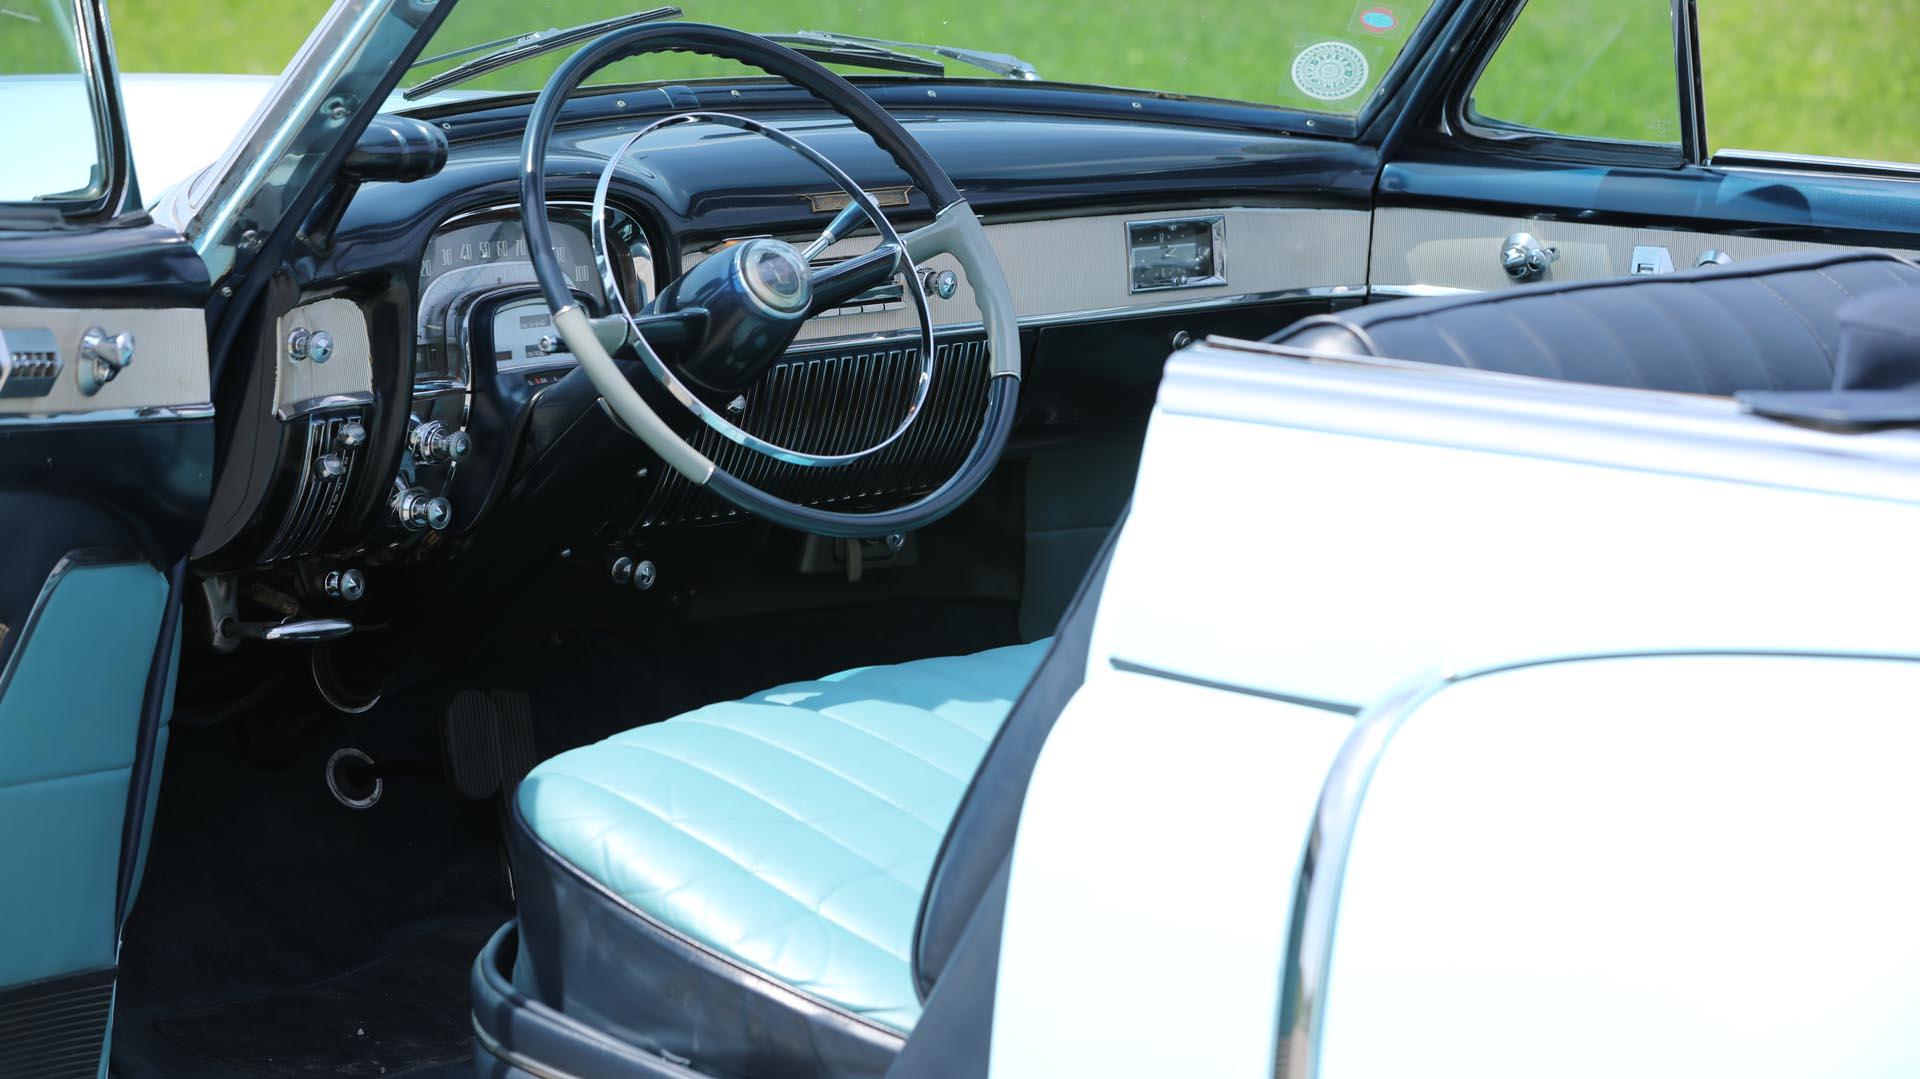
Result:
470,745
513,713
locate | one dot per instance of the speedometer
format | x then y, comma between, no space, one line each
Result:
478,254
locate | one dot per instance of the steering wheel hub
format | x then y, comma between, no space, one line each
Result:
775,276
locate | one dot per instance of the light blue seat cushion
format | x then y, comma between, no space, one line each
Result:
793,831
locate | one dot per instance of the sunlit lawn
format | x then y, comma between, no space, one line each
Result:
1834,76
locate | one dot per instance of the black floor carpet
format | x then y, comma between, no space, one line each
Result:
401,1015
280,934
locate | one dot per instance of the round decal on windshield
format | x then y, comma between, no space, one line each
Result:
1330,70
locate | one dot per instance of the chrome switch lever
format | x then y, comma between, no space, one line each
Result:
303,631
102,358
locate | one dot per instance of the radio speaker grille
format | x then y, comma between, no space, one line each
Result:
837,403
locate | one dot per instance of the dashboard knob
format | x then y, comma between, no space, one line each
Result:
353,433
320,346
329,466
435,441
102,357
416,510
941,283
346,584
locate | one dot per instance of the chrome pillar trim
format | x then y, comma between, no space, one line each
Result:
1316,904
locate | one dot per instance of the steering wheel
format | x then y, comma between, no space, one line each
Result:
732,315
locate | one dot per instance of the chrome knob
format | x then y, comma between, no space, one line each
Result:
941,283
329,466
1525,258
346,584
1713,256
435,441
353,433
621,572
102,357
645,574
415,510
297,340
320,346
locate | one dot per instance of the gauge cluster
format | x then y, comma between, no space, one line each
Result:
481,255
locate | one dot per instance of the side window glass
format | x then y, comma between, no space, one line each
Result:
1584,69
1812,79
48,111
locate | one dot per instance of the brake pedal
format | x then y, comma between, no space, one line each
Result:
470,745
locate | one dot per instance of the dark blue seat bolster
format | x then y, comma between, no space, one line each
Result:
1765,324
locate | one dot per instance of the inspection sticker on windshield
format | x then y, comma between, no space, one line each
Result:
1330,70
1376,19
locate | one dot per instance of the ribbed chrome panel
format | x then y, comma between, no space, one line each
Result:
56,1029
838,403
317,499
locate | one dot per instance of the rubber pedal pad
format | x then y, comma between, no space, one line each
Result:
518,753
470,744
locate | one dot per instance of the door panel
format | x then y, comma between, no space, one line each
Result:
1419,251
101,495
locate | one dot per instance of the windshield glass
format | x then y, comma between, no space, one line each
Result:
46,99
1320,55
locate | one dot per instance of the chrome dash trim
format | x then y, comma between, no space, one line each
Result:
297,409
1424,292
1323,869
143,413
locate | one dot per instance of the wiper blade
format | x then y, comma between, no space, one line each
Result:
525,47
816,47
999,63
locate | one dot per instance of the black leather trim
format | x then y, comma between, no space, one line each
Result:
1765,324
954,1038
513,1031
596,959
983,828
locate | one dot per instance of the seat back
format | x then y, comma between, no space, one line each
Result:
1767,324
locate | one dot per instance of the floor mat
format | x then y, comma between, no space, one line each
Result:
400,1015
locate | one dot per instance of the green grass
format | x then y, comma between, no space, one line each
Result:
1811,76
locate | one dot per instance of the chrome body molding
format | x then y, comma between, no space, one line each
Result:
80,558
1316,903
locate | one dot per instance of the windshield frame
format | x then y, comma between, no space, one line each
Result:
1102,100
112,146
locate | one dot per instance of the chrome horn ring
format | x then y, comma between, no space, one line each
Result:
889,237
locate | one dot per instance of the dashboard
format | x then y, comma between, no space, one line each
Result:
445,421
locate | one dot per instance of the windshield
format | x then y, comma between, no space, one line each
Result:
1319,55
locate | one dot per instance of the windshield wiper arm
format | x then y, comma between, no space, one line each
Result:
827,51
999,63
524,47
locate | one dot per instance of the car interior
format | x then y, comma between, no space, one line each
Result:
530,481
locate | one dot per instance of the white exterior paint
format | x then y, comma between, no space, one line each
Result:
1655,867
1148,904
1339,533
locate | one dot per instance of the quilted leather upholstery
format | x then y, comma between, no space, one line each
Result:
792,831
1765,324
